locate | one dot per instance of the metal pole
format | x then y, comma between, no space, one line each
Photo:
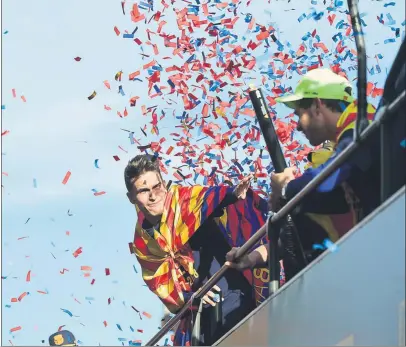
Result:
383,113
274,265
268,130
361,122
294,256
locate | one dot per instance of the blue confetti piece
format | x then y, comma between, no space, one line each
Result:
131,328
34,182
330,245
6,32
303,16
122,339
128,36
403,143
389,41
317,246
67,312
142,3
8,306
392,3
3,107
131,136
121,91
119,328
135,269
157,89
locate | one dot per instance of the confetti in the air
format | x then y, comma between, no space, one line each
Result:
172,81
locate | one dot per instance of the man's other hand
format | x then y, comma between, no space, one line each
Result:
245,263
278,181
240,190
212,298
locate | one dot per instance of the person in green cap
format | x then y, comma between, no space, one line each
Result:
327,112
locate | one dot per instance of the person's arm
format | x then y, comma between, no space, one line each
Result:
360,159
238,193
257,258
229,199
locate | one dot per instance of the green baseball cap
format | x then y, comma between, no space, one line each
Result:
319,83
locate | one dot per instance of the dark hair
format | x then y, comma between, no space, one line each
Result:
332,104
137,166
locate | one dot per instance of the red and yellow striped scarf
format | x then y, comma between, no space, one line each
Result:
185,210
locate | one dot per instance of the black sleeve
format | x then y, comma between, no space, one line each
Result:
229,199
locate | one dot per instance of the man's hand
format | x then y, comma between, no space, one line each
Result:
212,298
245,263
257,258
278,181
240,190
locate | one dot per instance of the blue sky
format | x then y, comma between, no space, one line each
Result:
46,139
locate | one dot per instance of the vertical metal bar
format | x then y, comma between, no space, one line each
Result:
274,268
385,162
361,122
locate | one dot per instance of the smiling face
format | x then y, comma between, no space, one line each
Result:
148,193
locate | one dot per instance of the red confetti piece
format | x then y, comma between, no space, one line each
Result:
109,301
23,98
78,58
105,323
116,31
86,268
99,193
28,278
15,329
140,330
146,314
63,271
22,296
61,327
13,91
93,280
116,158
66,178
5,132
77,252
107,270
